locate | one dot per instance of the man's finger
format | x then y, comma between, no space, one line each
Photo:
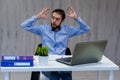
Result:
68,15
47,10
70,9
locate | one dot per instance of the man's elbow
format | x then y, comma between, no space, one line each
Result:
22,25
88,29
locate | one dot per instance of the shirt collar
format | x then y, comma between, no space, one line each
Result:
55,29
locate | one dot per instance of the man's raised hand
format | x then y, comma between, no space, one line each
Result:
72,13
43,13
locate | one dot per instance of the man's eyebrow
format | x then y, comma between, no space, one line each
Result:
55,17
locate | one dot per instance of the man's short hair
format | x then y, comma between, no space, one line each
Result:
61,12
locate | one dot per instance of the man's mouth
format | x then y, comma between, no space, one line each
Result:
53,25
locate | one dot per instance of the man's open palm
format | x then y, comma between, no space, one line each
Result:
72,12
43,13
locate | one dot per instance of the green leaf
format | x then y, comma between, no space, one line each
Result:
42,51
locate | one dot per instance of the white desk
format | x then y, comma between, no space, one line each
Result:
104,65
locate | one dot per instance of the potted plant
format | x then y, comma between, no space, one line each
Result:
42,51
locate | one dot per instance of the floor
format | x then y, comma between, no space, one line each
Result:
81,75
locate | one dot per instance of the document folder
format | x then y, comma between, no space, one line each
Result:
16,58
17,61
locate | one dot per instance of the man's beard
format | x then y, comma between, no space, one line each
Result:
54,28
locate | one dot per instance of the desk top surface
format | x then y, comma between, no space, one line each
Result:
104,64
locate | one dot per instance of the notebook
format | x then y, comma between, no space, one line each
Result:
85,52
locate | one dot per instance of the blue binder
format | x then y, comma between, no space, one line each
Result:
16,58
17,61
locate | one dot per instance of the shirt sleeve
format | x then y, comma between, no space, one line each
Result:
82,28
28,25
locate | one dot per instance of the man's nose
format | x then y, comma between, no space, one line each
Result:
54,20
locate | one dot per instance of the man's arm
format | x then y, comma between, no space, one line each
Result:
83,27
28,24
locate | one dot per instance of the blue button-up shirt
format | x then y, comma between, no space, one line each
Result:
57,41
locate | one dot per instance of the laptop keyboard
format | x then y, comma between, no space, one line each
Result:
68,59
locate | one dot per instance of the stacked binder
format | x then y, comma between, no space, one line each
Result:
17,61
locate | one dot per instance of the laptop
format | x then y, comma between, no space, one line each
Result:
85,52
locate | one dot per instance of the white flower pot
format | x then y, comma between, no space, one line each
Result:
43,60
